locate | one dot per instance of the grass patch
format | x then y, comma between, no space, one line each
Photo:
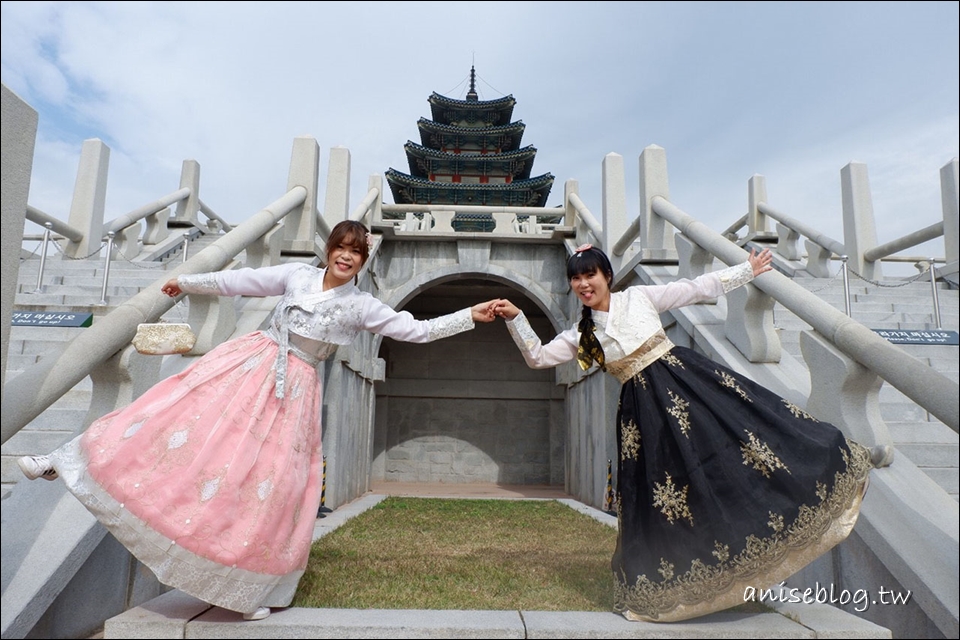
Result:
432,553
439,553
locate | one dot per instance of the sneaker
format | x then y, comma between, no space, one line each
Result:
37,467
259,614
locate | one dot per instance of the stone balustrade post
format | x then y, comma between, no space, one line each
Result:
336,204
126,244
749,324
787,242
570,217
213,319
614,208
503,222
156,227
756,193
266,251
818,260
89,198
859,226
188,210
843,392
951,211
300,225
693,260
119,380
654,230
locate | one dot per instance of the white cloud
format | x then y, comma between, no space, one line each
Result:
792,91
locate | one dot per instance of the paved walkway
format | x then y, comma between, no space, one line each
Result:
177,615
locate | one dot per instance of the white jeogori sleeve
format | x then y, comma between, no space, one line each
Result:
561,349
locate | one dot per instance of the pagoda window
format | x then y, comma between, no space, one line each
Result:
456,179
484,179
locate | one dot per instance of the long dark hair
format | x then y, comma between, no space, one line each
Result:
352,234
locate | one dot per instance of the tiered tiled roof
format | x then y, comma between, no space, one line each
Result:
470,153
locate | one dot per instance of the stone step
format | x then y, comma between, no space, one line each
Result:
931,455
922,432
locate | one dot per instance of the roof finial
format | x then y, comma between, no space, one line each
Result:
472,94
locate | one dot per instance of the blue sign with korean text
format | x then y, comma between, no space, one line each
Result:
919,336
50,319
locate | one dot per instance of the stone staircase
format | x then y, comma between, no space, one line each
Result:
69,286
926,441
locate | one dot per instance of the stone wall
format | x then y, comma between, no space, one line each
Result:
467,408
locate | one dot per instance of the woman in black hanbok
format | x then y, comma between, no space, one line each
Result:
722,485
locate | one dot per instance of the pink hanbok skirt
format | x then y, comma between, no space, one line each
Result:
208,478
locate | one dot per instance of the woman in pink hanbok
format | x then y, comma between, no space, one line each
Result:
212,478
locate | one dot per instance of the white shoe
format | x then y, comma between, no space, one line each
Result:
37,467
259,614
881,455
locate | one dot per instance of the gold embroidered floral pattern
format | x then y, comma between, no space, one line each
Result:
728,380
760,455
672,360
679,411
775,522
629,440
702,583
720,551
672,500
641,379
798,412
822,491
666,569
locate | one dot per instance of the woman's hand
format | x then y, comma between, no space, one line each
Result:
172,288
506,309
760,261
485,311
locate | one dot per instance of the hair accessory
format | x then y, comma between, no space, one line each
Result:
582,248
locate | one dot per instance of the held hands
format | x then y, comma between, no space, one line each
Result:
171,288
485,311
760,261
506,309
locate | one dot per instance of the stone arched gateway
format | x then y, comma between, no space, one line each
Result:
467,409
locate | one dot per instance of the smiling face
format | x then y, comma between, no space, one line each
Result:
590,275
346,253
593,289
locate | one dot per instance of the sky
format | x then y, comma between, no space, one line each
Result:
792,91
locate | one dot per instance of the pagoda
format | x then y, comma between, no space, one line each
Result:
470,154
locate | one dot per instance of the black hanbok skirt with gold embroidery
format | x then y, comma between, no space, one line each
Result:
721,485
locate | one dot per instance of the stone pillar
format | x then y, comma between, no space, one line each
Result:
569,211
614,203
19,137
948,198
336,205
189,208
300,225
756,193
89,198
375,213
859,226
654,230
